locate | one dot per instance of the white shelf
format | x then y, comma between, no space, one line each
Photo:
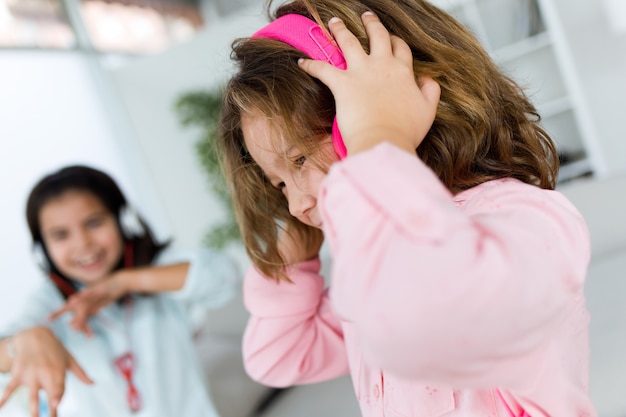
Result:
541,63
575,169
554,107
449,4
523,47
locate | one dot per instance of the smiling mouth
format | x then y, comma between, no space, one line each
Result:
91,260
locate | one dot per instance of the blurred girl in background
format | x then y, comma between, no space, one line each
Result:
114,309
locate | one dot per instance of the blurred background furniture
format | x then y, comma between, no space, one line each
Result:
603,204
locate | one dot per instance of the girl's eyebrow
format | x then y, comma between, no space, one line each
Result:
280,154
53,230
97,214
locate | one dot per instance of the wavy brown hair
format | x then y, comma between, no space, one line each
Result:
485,128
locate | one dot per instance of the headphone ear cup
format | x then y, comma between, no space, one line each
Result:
307,36
40,257
340,146
130,223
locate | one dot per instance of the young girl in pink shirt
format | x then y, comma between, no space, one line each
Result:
456,286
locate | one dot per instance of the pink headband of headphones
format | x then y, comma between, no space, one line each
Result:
307,36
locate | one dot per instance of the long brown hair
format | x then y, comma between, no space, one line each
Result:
486,127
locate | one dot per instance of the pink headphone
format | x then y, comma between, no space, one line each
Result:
307,36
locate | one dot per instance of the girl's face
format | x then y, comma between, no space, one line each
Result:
81,236
286,168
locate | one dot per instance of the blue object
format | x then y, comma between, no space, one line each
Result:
44,410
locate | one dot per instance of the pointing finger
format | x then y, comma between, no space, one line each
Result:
9,390
75,368
56,314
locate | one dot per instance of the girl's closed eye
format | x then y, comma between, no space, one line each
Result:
299,161
94,222
58,235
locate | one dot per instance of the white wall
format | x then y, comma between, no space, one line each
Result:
59,108
148,89
600,60
51,114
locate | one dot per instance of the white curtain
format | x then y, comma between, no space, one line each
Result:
616,14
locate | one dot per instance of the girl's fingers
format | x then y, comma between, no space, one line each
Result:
80,322
431,91
56,314
8,391
69,305
347,42
323,71
53,410
33,400
76,369
401,50
54,388
87,330
378,35
84,328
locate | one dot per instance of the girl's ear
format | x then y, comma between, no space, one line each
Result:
40,257
130,223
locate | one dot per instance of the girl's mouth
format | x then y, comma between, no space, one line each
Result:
90,261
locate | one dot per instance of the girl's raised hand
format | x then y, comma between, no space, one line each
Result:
90,300
377,96
40,363
295,249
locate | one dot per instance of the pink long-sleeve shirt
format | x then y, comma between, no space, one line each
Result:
438,304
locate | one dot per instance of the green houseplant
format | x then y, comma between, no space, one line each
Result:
201,110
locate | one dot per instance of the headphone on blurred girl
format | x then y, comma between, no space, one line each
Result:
307,36
130,223
39,257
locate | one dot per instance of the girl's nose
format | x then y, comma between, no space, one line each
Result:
82,239
300,203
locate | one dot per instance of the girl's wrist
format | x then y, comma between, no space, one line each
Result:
15,344
123,283
10,345
368,143
133,280
8,354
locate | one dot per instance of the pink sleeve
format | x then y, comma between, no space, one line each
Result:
292,336
443,293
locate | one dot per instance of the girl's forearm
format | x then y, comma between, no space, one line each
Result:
155,279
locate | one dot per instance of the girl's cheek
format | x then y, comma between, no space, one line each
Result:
56,255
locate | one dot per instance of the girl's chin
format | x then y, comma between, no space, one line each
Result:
90,279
